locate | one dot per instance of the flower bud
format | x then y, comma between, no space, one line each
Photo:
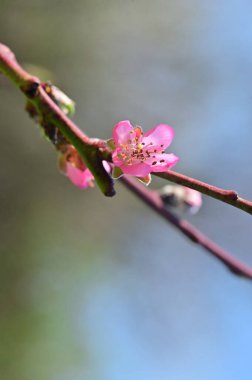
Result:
66,104
181,197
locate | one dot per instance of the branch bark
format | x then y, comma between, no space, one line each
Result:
227,196
154,201
94,151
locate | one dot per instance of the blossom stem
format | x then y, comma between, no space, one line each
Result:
154,201
91,150
228,196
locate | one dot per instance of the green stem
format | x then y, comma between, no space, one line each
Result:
92,151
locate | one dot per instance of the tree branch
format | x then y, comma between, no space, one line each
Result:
92,151
228,196
154,201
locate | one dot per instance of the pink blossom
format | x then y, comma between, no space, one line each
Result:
181,197
81,178
193,199
140,154
71,164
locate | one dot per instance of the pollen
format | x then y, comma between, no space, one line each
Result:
138,148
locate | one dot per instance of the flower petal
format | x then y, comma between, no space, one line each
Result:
106,166
79,178
160,136
193,199
123,132
146,180
116,157
138,131
163,162
139,170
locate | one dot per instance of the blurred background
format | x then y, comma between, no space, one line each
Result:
103,289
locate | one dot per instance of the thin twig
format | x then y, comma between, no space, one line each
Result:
228,196
154,201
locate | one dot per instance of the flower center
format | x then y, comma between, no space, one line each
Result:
135,151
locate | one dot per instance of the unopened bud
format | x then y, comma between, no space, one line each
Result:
66,104
181,197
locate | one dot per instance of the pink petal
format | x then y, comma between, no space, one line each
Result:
106,166
122,132
116,160
146,180
138,131
161,135
193,197
78,177
139,170
170,161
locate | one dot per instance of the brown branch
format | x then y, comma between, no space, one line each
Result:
227,196
93,151
154,201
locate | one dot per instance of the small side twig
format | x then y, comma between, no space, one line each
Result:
154,201
227,196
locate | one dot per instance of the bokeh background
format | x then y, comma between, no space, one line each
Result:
103,289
